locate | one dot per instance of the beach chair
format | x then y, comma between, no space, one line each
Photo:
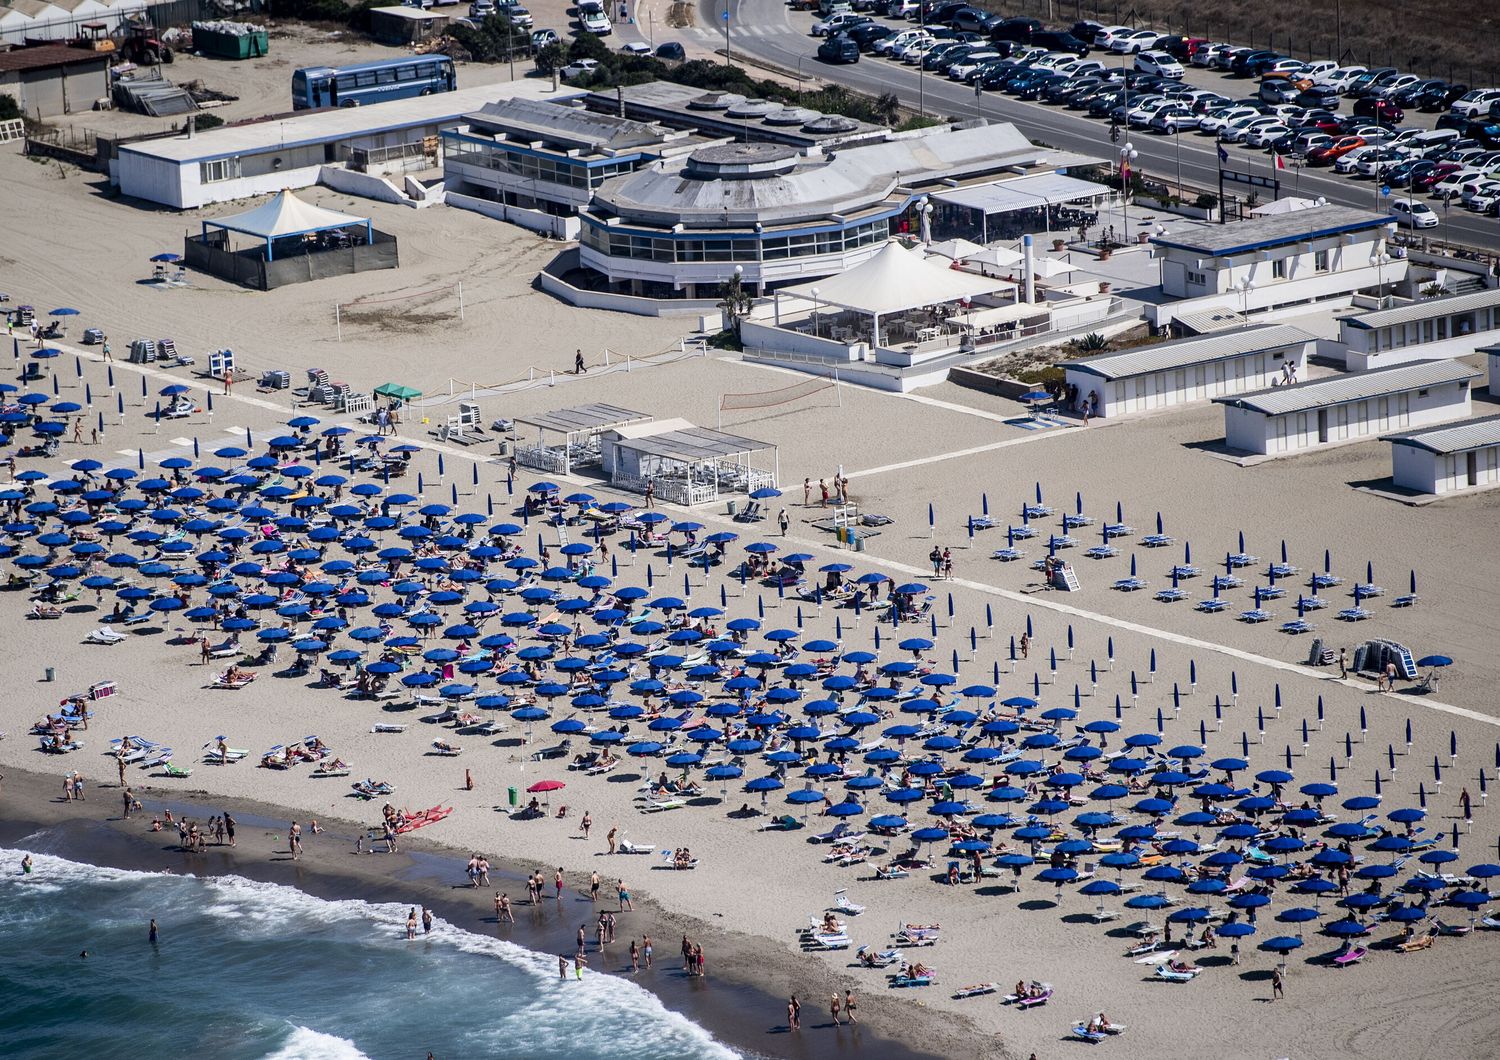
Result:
892,872
1008,555
445,749
840,832
173,770
1167,974
843,905
872,959
555,751
1353,956
1452,930
1353,614
627,847
784,823
1037,995
104,635
1128,585
1211,606
1082,1033
1255,615
905,980
1421,942
662,805
973,990
1102,552
1170,596
1297,625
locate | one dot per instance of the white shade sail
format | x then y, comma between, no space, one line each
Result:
285,215
893,280
955,249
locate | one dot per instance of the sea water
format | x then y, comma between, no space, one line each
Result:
245,970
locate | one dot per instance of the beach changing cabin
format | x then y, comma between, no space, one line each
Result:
1420,331
1344,408
1173,373
1447,459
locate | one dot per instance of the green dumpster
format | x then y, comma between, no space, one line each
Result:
513,796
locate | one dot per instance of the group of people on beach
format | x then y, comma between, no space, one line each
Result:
478,870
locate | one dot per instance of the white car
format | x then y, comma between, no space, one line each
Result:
1394,85
1484,197
579,68
1284,66
922,40
1342,77
886,45
1173,118
1159,63
1347,163
1453,183
1236,131
636,47
1473,104
1080,68
1266,135
834,23
1204,56
1318,70
1413,214
1135,40
595,22
1108,35
482,8
1213,121
961,70
914,53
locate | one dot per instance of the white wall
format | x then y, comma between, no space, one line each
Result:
1231,375
783,340
535,220
1494,375
715,273
180,185
1414,469
1294,432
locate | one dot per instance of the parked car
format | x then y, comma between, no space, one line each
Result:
1207,55
1323,97
1474,103
1159,63
1136,40
1060,41
1482,197
594,20
869,34
1266,135
1365,82
1018,28
899,39
970,65
1438,173
1347,163
542,37
1318,70
1327,156
1277,90
1388,87
1404,174
1382,110
1413,214
838,23
838,49
1236,131
578,68
636,47
1174,118
1452,185
482,8
1215,120
1105,37
1439,96
1246,62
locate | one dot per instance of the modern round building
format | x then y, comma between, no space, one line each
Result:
679,228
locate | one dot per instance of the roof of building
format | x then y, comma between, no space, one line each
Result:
1451,437
567,127
36,8
686,443
331,124
286,215
1022,193
1352,386
410,14
1215,346
593,417
1424,310
45,56
728,113
1260,233
709,188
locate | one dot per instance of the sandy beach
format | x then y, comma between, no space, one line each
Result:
945,447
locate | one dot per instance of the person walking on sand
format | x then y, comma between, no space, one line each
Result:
635,957
1277,984
228,380
650,492
585,824
229,827
849,1006
1025,644
468,780
582,938
129,799
120,764
109,354
807,493
1343,665
594,887
625,894
646,950
557,883
578,366
294,836
823,490
68,788
833,1008
784,521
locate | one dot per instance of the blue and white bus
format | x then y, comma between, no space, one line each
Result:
375,82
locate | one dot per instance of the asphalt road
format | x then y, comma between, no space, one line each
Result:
769,31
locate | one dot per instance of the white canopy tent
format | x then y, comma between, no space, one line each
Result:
1046,268
955,249
286,216
894,280
1291,204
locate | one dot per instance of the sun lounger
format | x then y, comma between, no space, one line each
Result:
556,751
1167,974
1128,585
1423,942
173,770
446,749
843,905
1170,596
1039,995
841,832
627,847
388,727
1082,1033
891,873
1353,614
1354,956
973,990
662,805
882,959
1490,923
784,823
104,635
902,981
1455,930
1254,615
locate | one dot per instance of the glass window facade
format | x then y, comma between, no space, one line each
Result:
697,247
529,166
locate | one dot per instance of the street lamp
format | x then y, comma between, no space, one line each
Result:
1128,154
1245,287
1382,259
817,308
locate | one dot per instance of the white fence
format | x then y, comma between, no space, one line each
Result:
536,220
12,129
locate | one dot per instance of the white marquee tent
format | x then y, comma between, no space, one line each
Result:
286,216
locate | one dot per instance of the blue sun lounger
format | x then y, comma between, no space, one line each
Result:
1212,606
1102,552
1171,596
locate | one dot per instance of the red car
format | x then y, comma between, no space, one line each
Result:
1327,156
1443,171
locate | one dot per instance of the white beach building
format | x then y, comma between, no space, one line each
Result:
1447,459
1281,264
1420,331
1345,408
1192,369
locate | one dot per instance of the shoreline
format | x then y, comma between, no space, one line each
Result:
735,1007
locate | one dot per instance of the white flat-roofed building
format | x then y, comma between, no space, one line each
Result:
1447,459
1287,263
1193,369
1345,408
1420,331
264,157
1492,355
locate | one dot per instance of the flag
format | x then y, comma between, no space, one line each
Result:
1223,155
1280,162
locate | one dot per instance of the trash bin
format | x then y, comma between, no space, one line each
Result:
513,796
51,674
858,543
734,506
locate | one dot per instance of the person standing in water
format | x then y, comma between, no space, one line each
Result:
151,932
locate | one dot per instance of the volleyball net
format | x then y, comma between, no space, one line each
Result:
773,399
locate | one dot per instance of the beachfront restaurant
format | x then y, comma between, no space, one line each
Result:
1143,378
1447,459
571,438
1345,408
685,463
290,241
1044,202
1419,331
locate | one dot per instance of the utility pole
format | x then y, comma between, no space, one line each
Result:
726,33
